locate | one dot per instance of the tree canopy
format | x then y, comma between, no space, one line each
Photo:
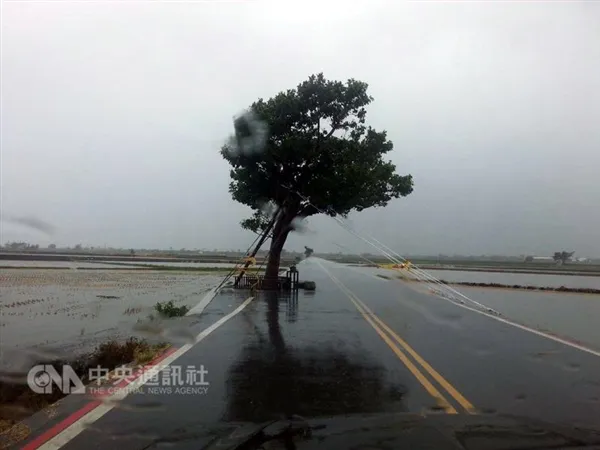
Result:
309,150
317,144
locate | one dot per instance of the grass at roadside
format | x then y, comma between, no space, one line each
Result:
168,309
18,401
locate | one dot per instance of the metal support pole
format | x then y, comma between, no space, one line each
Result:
261,241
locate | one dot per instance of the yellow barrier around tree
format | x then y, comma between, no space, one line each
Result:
251,260
403,266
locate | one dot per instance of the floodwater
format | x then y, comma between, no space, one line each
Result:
563,314
509,279
58,264
177,264
73,311
523,279
572,315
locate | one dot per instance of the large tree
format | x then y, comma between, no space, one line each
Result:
316,154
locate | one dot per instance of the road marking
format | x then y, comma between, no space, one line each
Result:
462,401
380,326
203,303
437,395
55,430
526,328
540,333
110,402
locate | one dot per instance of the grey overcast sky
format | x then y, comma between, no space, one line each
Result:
113,114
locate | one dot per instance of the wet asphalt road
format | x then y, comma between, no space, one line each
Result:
359,344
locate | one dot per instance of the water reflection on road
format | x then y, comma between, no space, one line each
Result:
275,377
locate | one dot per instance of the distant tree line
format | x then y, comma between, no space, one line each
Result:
559,257
20,246
26,246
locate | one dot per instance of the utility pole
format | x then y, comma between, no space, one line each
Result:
259,244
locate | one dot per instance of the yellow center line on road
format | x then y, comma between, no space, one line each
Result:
462,401
381,328
430,388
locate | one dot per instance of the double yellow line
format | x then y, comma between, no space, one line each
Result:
389,336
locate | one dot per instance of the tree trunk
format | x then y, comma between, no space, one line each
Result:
280,233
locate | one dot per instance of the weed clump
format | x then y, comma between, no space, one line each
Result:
168,309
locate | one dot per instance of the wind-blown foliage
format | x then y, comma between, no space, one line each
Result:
319,146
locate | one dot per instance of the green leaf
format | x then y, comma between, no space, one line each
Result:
319,146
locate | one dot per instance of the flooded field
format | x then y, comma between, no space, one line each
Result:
523,279
570,315
178,264
58,264
105,264
506,278
72,311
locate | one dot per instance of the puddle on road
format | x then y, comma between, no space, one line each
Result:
274,377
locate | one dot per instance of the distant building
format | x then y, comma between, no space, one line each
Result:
538,259
581,260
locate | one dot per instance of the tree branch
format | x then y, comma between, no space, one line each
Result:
334,127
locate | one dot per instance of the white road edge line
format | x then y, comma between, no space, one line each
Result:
203,303
524,328
531,330
76,428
